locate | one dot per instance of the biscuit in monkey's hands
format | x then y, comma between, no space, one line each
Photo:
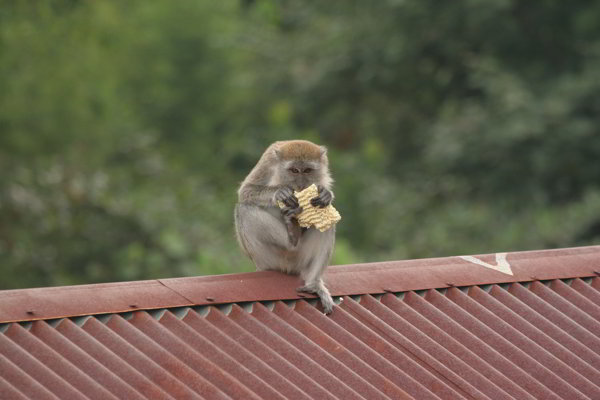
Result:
321,218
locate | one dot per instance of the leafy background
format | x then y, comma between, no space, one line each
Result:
453,128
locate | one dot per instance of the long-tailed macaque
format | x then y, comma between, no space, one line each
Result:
270,235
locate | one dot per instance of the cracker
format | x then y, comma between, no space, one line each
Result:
321,218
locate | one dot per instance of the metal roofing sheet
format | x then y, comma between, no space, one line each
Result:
392,276
507,339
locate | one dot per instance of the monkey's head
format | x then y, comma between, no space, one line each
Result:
301,163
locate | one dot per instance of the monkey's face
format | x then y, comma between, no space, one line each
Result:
300,174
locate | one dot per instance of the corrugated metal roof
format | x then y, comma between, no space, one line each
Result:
342,280
502,337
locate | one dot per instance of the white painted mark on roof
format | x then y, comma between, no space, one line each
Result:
501,264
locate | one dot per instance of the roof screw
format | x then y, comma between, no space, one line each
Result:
534,278
388,290
30,312
208,298
132,306
451,284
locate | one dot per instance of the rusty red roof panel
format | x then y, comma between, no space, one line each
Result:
343,280
68,301
471,330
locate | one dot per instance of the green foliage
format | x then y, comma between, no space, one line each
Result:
125,128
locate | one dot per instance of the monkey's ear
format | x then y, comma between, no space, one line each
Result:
277,152
323,151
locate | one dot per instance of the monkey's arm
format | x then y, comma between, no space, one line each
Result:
294,230
268,196
290,211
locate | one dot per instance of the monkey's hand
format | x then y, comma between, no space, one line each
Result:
323,199
286,195
289,212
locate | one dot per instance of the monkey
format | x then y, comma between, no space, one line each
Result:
269,235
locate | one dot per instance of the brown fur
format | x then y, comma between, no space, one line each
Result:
298,150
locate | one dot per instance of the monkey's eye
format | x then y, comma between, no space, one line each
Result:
294,170
307,170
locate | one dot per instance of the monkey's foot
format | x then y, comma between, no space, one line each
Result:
322,292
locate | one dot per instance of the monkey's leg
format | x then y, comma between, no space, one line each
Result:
317,247
263,235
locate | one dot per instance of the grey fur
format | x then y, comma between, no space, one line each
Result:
270,236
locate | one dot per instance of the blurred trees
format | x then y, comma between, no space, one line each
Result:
455,128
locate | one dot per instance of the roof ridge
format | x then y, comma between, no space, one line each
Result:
379,277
